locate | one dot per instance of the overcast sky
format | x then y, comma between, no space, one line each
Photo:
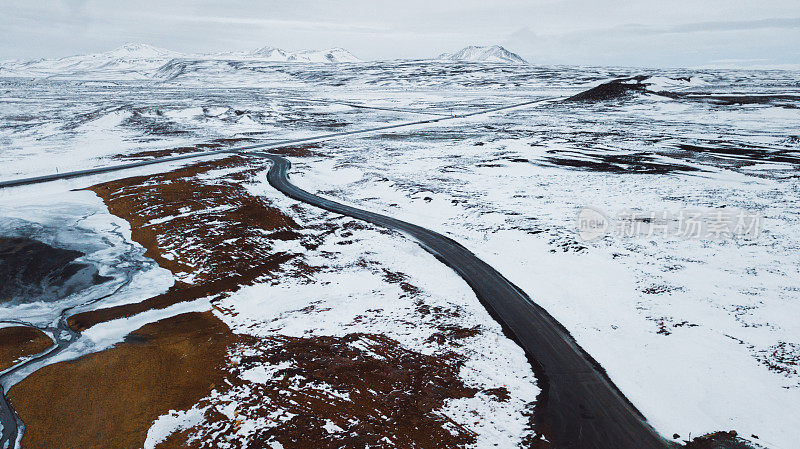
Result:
603,32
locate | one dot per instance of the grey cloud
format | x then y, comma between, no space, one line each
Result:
698,27
611,32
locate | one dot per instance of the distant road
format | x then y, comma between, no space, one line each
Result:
263,146
580,406
358,105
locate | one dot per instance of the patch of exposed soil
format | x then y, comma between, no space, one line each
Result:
213,145
355,391
783,358
307,150
609,162
449,333
719,440
109,400
201,223
199,226
743,155
142,120
20,341
209,230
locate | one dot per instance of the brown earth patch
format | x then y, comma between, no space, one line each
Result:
356,391
307,150
501,393
783,358
216,144
449,333
204,226
20,341
719,440
207,229
109,400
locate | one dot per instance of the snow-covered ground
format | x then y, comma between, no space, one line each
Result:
374,282
701,334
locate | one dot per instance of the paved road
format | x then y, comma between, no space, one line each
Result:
261,146
580,405
10,425
358,105
9,422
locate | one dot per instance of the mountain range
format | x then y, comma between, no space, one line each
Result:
142,61
133,61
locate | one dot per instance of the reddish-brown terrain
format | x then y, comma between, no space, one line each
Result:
109,399
215,236
18,341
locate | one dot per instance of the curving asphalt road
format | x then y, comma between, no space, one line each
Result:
580,408
10,425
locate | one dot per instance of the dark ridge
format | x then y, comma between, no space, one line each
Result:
34,271
787,101
619,163
619,88
746,153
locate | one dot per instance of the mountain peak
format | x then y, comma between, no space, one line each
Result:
330,55
268,50
475,53
142,51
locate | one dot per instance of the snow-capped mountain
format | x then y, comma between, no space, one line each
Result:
272,54
473,53
142,61
255,67
329,55
139,51
128,61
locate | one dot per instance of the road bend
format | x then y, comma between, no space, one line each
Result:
580,407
